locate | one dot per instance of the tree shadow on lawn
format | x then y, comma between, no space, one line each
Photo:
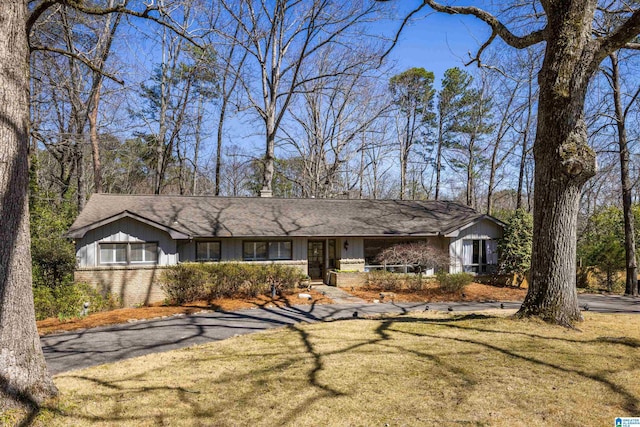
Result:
385,337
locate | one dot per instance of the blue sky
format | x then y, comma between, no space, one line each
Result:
437,41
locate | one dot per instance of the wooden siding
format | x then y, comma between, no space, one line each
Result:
484,229
355,250
125,230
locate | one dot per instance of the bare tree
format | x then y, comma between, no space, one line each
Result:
231,59
280,39
621,113
499,155
422,255
332,114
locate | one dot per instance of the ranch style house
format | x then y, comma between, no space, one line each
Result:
124,241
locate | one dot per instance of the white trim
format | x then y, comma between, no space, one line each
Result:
80,232
456,232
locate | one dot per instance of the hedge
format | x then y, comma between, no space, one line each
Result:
190,282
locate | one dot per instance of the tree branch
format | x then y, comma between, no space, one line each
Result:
37,12
519,42
121,8
621,37
405,21
80,58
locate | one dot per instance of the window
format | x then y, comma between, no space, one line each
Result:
113,253
128,253
263,251
279,250
207,251
143,252
479,256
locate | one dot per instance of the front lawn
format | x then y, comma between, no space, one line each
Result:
433,369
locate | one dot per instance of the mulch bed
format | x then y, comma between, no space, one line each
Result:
124,315
473,292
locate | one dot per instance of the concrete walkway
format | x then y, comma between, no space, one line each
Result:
80,349
338,295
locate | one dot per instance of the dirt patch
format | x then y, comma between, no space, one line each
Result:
473,292
124,315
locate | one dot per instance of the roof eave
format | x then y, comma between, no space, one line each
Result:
79,233
455,232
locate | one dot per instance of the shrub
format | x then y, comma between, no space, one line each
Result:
384,280
455,282
67,300
183,283
388,281
194,281
415,282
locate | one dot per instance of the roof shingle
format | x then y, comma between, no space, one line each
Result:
207,216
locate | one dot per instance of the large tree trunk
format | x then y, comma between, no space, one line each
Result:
95,141
525,142
24,379
81,178
439,159
269,157
564,162
223,110
631,287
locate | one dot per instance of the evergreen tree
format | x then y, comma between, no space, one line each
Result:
515,245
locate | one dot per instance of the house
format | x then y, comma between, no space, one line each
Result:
124,241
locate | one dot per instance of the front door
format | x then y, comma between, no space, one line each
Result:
315,256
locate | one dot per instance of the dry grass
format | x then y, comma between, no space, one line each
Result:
431,369
124,315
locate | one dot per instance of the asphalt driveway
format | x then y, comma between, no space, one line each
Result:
80,349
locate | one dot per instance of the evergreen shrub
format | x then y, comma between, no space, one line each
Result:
455,282
67,300
190,282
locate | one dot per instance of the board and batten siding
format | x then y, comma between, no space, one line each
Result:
355,249
484,229
125,230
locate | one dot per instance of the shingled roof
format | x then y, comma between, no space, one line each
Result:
204,216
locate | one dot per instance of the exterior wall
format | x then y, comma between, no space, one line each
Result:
125,230
355,248
484,229
133,284
351,258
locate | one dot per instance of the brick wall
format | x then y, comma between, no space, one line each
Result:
347,280
133,285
